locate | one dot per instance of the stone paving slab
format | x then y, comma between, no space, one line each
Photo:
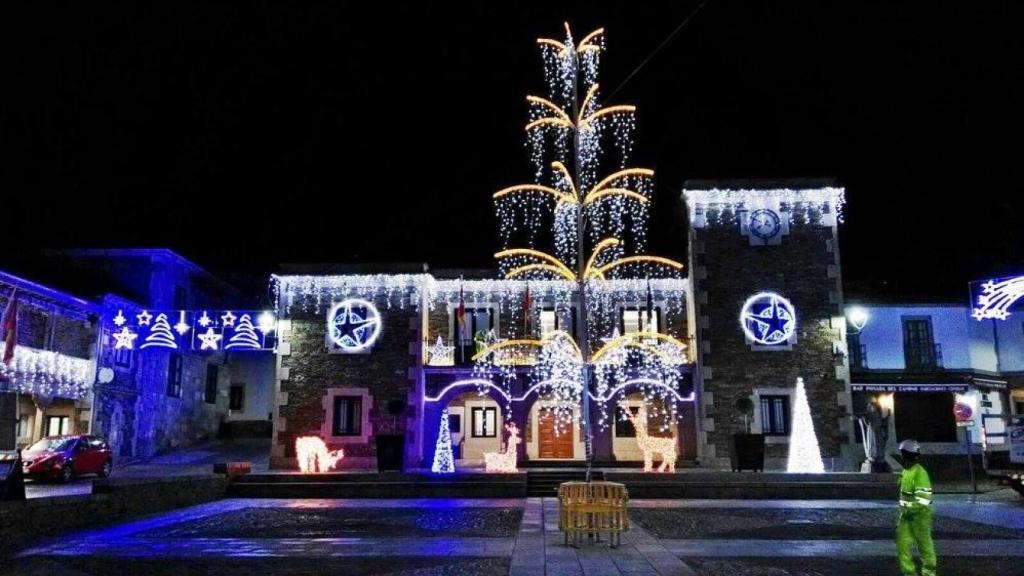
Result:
834,548
540,550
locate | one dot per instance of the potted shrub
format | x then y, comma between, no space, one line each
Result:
747,449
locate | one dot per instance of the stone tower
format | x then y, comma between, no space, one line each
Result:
767,305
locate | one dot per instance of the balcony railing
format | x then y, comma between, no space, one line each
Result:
440,354
924,358
859,357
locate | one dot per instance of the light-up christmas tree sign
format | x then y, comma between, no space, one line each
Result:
596,223
444,462
804,453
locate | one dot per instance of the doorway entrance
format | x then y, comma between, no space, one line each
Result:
550,443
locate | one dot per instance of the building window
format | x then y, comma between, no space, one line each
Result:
548,322
775,415
236,397
348,416
210,395
561,319
478,322
485,422
174,365
57,425
122,358
918,343
623,427
639,320
455,423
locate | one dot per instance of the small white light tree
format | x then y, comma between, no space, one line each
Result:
804,453
444,462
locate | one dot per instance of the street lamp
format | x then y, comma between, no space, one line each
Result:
858,317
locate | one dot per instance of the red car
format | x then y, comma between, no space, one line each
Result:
64,457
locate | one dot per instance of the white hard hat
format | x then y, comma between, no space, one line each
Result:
911,446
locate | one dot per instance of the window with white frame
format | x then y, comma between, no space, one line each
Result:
57,425
634,320
485,422
548,321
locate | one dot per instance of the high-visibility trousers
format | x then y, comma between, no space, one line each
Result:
915,527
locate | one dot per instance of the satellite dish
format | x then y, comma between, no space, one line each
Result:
105,376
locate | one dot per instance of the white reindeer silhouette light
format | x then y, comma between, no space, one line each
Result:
504,461
313,455
650,445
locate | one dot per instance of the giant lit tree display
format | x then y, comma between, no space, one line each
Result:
583,221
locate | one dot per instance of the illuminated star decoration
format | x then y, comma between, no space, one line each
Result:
144,318
125,339
205,320
119,320
440,354
997,297
355,324
228,319
182,326
768,319
209,339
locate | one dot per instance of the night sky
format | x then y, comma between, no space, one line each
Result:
249,134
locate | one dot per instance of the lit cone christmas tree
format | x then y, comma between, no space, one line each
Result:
244,336
160,335
804,453
444,462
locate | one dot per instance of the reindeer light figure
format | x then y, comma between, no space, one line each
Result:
313,455
504,461
650,445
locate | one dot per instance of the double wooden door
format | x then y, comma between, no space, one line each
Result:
551,444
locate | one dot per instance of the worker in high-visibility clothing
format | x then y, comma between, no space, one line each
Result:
915,513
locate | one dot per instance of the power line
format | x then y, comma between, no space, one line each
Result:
658,49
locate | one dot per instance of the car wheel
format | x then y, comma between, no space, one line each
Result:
106,468
67,474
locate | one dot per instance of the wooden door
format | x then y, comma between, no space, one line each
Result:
552,445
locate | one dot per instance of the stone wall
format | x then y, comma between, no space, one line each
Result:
307,369
726,270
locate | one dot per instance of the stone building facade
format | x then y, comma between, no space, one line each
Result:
420,366
750,238
143,401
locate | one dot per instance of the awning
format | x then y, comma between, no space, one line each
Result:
922,388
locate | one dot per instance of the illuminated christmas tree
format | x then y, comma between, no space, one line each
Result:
584,225
804,453
244,336
160,335
444,462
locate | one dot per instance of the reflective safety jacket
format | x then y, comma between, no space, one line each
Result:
915,489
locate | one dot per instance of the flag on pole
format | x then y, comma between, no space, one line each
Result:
10,327
527,311
460,320
650,309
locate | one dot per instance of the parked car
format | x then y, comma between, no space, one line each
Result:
64,457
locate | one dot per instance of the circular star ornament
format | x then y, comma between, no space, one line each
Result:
354,324
768,319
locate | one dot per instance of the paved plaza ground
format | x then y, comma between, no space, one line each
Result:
435,537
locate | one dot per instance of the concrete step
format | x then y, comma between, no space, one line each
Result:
379,485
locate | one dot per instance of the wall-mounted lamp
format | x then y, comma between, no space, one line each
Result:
857,317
